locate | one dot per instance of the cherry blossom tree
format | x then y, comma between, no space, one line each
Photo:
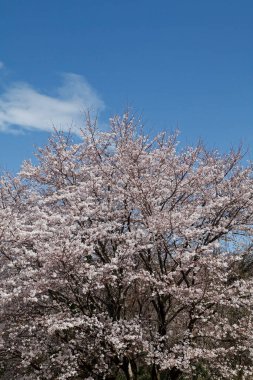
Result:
124,257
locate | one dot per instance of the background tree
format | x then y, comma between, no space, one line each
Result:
125,257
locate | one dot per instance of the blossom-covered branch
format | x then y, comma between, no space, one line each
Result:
124,256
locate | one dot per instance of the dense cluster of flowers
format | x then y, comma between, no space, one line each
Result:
123,256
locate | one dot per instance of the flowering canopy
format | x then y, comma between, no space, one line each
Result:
123,257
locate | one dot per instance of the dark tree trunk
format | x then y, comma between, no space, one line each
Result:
174,374
154,374
130,369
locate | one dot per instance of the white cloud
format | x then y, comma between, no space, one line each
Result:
1,65
22,106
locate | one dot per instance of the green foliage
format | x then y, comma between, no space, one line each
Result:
201,373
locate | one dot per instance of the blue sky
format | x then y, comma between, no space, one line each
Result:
185,64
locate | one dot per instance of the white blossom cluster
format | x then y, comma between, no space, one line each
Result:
124,257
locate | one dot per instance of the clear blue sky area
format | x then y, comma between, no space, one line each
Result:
185,64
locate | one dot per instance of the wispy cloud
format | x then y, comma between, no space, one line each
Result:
1,65
24,107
